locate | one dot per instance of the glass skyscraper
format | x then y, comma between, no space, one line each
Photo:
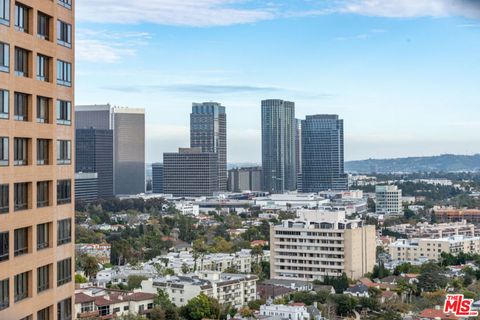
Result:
278,146
323,154
208,131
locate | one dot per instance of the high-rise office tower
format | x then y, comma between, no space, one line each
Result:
243,179
128,126
190,172
208,131
129,150
278,146
157,178
94,154
36,164
322,154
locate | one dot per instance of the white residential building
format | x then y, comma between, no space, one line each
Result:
101,303
293,311
235,289
388,200
188,208
411,250
241,261
321,245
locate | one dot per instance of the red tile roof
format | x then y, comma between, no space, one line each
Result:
436,314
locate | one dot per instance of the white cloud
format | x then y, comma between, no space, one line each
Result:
107,47
412,8
199,13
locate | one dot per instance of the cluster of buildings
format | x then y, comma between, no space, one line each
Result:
109,151
305,155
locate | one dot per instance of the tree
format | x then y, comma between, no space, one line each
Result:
380,272
135,282
345,304
431,278
90,267
201,307
157,314
163,302
185,268
370,303
80,279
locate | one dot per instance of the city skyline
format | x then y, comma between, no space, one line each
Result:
394,65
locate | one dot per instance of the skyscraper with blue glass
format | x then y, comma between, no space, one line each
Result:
323,154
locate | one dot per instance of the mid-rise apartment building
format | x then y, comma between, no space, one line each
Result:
323,245
234,289
410,250
449,214
388,200
436,231
36,163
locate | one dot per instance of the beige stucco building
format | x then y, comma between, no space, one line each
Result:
327,245
36,164
431,249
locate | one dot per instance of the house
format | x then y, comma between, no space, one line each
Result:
324,288
270,291
296,285
293,311
101,303
436,314
359,290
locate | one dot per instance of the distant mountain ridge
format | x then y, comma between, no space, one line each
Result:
444,163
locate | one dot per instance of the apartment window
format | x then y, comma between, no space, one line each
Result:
21,62
64,73
64,190
20,106
64,112
43,63
42,151
21,17
43,278
4,201
5,12
4,102
43,194
65,3
43,104
44,314
21,286
64,272
43,26
64,230
64,152
64,34
20,151
20,242
4,246
20,196
64,309
43,236
4,57
3,151
4,294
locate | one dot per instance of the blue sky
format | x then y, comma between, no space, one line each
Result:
404,74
